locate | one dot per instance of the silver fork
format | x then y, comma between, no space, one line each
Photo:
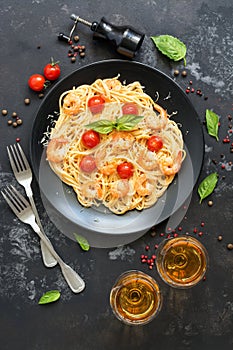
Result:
22,209
23,175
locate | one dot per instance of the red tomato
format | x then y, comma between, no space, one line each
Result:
52,70
87,164
36,82
154,143
96,104
90,138
130,108
125,170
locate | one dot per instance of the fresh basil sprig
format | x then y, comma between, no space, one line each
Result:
212,120
82,242
125,123
171,47
49,297
207,186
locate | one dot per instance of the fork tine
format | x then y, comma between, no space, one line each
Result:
18,158
18,196
13,161
10,201
22,155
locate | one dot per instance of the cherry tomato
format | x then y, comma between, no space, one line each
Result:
87,164
154,143
36,82
125,170
52,70
90,138
130,108
96,104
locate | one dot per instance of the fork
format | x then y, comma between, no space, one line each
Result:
22,209
23,175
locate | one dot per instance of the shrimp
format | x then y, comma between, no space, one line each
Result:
169,166
113,84
161,111
92,189
122,141
143,186
56,150
108,169
120,188
156,122
71,104
147,159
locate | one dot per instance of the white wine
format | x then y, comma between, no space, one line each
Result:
135,298
182,261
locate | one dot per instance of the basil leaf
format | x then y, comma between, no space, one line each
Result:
49,297
212,121
128,121
207,186
170,47
82,242
103,126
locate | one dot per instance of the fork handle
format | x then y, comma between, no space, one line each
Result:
48,258
75,282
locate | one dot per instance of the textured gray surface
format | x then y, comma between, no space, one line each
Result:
201,317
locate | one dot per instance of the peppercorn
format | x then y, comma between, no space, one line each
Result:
9,122
27,101
184,73
73,59
4,112
219,238
76,38
153,233
76,48
210,203
14,124
14,114
230,246
41,95
82,54
176,72
19,121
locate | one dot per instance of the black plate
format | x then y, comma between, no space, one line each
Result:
103,225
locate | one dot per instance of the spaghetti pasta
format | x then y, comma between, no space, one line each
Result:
99,181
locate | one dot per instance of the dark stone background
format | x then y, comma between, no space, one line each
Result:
197,318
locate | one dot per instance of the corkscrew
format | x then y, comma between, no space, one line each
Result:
126,40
